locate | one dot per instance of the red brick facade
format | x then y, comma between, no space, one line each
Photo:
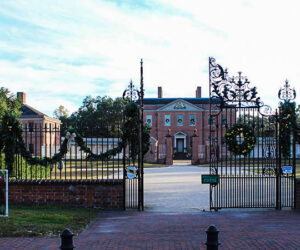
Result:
41,132
164,116
102,194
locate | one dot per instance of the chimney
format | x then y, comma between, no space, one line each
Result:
159,92
198,92
22,97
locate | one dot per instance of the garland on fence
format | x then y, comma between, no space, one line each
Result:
11,140
242,131
287,124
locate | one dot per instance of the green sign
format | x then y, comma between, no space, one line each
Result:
210,179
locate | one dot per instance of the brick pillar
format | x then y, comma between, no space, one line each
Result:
297,193
195,153
169,150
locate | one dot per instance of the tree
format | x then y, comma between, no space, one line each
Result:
263,125
8,103
61,111
99,116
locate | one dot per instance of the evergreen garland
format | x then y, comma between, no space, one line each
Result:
287,124
249,139
12,142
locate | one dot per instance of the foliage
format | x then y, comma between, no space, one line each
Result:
243,131
12,141
61,112
8,103
287,124
97,117
263,124
25,170
44,221
10,132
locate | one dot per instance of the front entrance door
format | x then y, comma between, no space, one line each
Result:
179,145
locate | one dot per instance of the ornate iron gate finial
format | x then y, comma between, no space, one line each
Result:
131,93
287,93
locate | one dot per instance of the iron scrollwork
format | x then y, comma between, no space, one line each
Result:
287,93
131,93
234,90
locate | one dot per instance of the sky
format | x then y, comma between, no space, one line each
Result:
60,51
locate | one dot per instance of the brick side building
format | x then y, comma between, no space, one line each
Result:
180,127
41,132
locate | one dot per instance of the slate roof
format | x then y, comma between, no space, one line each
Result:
28,111
157,101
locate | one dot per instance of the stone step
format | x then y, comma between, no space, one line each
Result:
182,162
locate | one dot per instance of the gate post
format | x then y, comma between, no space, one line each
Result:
278,162
195,153
169,149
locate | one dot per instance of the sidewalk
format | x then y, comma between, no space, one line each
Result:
265,229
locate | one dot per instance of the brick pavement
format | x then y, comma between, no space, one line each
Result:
239,229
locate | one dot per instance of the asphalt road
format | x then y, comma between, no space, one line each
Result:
176,189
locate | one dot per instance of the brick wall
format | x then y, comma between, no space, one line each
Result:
297,193
102,194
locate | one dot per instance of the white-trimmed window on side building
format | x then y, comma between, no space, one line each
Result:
192,120
149,120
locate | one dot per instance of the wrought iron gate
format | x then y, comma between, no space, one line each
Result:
133,172
259,178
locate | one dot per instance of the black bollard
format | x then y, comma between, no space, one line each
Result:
212,241
66,239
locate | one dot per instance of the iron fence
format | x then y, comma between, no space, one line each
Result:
45,141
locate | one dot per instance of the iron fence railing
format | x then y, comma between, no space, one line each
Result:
45,141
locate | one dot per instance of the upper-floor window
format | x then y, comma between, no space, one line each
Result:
30,126
167,120
31,148
210,120
224,119
179,120
192,120
149,120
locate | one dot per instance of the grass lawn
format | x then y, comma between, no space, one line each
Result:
44,221
252,163
154,165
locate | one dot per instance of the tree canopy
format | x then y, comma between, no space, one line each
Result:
61,111
96,117
8,103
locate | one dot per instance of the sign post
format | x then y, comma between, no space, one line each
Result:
210,179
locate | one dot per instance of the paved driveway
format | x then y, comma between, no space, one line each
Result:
176,189
177,231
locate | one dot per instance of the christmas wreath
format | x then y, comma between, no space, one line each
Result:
240,139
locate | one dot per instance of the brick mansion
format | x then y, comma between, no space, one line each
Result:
180,128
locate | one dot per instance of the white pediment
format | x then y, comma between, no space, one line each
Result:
179,105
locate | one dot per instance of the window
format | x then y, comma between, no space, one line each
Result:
149,120
223,140
192,120
224,119
30,126
167,120
179,120
31,148
210,119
